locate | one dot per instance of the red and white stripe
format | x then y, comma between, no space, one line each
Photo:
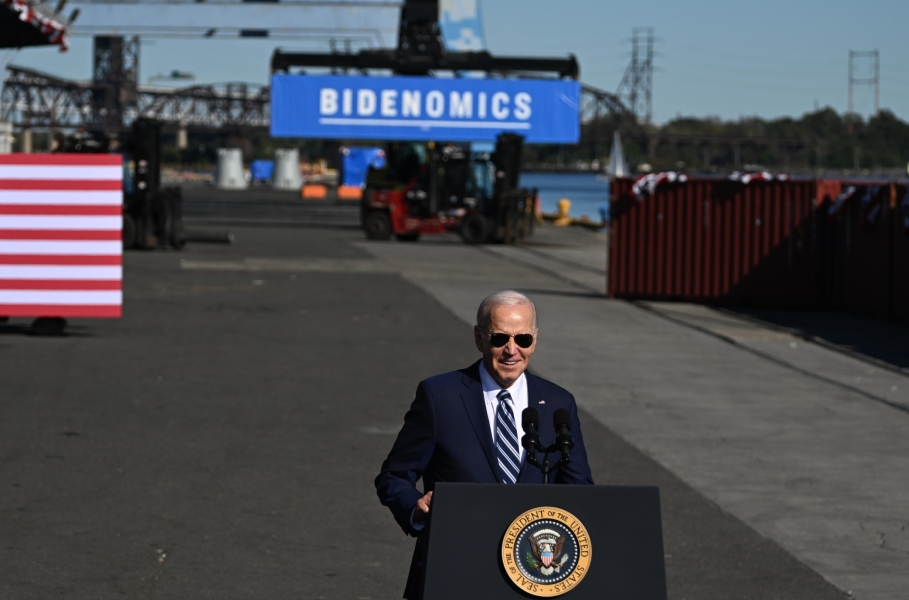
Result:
61,249
646,185
50,27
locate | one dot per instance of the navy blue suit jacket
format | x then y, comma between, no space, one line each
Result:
446,437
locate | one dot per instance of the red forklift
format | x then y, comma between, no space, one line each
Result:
436,188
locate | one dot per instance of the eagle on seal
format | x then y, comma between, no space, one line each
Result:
546,546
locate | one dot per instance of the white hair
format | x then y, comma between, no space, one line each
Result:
503,298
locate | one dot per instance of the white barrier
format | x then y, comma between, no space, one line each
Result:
286,175
229,174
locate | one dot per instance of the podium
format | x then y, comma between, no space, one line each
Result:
495,542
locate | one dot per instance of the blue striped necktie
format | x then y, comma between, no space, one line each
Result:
508,449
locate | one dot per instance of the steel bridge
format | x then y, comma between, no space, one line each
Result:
40,101
35,100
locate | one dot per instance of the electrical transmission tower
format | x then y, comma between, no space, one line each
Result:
636,88
874,80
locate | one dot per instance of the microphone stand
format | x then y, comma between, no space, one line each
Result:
531,443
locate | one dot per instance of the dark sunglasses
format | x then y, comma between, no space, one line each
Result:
524,340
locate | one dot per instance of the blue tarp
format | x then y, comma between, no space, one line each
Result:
261,170
357,162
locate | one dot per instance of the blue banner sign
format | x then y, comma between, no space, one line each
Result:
424,108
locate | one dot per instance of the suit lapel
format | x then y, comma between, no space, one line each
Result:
475,404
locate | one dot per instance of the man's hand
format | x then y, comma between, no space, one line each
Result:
422,509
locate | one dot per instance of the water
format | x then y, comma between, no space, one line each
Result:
588,192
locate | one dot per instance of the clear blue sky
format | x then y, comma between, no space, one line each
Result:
715,58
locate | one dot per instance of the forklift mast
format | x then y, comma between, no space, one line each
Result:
152,215
507,159
144,147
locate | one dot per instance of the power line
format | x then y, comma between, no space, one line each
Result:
761,58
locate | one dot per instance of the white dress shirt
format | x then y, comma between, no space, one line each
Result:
491,389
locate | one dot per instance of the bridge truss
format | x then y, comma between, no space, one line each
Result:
36,100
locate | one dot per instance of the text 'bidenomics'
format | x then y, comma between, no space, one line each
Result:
414,104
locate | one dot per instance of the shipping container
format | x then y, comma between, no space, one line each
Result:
901,255
860,251
784,243
716,240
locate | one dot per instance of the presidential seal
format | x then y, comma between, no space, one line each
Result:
546,551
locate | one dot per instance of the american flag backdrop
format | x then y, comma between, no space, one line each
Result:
61,217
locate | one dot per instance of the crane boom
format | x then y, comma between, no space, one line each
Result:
366,23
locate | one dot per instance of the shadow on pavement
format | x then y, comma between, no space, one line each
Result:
15,329
862,337
562,293
25,328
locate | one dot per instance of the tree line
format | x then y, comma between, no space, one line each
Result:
818,140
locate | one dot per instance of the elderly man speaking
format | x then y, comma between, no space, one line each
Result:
462,425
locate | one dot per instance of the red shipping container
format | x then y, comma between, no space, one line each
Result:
900,288
860,254
717,240
786,244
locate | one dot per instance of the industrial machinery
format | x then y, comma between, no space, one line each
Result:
421,51
434,188
152,215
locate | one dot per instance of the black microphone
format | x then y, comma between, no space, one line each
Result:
530,422
561,419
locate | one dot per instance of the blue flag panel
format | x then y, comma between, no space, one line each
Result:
461,25
424,108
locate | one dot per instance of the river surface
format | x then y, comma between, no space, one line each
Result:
588,192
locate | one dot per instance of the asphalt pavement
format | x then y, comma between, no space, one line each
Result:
220,440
